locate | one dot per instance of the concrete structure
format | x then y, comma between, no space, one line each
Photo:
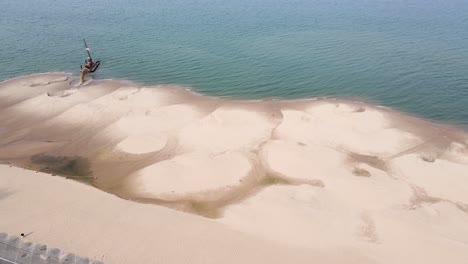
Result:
16,250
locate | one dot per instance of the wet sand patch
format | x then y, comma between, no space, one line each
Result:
63,165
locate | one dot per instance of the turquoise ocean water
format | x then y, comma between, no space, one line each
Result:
411,55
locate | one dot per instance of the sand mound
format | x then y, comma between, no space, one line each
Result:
441,178
301,161
140,144
227,129
341,127
191,173
149,130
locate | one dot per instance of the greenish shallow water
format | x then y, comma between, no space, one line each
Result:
411,55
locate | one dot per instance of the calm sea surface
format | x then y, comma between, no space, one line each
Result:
411,55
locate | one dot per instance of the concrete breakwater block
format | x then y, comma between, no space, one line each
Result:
18,250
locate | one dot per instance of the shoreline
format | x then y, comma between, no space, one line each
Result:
456,125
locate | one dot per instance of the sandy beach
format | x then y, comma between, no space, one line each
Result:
131,174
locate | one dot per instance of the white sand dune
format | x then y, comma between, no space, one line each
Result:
324,181
83,220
